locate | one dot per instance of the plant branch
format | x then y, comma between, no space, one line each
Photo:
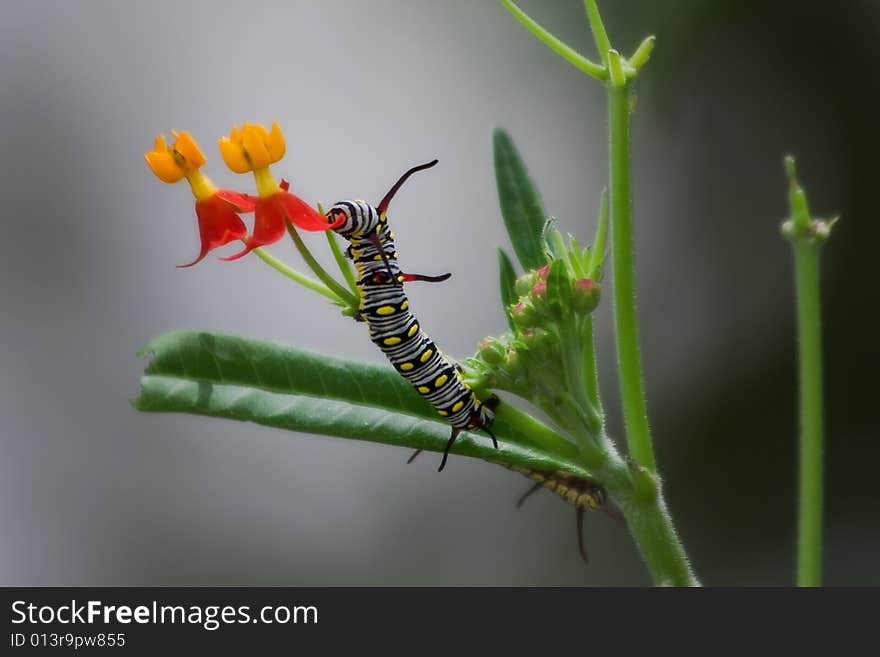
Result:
293,274
347,297
632,389
565,51
806,236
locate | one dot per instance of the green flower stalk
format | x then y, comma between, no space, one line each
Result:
807,235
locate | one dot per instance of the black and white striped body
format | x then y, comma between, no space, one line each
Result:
393,328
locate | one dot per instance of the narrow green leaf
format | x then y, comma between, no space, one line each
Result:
597,256
521,206
507,280
280,386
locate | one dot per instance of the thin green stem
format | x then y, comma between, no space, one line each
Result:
565,51
629,362
591,371
643,52
806,236
806,260
342,262
347,297
600,36
538,432
293,274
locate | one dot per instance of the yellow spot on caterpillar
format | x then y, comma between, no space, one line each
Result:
391,341
395,254
386,310
424,390
443,413
413,330
406,367
592,502
441,380
457,406
400,279
377,257
425,356
405,304
391,234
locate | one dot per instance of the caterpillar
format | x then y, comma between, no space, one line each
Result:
583,493
393,328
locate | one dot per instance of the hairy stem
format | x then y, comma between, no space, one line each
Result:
629,360
806,261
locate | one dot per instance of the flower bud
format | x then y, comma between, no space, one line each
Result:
524,284
585,296
492,351
539,343
524,314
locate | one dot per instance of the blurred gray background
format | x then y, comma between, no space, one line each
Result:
93,493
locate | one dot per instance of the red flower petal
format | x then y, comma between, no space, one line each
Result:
268,226
301,214
218,225
241,202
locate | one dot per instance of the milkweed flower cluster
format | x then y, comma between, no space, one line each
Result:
252,148
547,356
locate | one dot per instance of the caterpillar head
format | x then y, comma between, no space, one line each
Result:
358,218
362,219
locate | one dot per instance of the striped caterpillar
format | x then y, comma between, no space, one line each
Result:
393,328
583,493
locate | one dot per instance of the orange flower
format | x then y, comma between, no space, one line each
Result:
253,148
216,209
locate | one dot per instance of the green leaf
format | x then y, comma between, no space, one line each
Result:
280,386
521,205
507,280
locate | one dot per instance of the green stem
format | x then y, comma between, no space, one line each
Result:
806,236
293,274
348,298
600,36
635,413
806,260
566,52
591,371
642,504
538,432
341,260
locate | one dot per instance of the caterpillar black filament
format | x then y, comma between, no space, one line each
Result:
393,328
583,493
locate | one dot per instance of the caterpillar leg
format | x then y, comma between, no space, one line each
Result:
449,444
531,491
413,457
407,278
582,545
491,435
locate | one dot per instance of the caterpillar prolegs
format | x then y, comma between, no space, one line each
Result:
393,328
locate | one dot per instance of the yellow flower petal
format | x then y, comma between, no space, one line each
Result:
255,146
233,155
163,165
189,149
275,143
